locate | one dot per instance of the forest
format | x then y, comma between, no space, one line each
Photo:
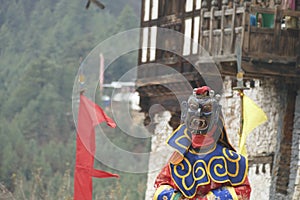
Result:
41,44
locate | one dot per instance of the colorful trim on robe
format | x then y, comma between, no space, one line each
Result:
224,193
221,165
180,140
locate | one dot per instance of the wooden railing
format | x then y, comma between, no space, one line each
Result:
221,31
272,41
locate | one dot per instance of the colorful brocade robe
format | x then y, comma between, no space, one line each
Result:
220,172
217,173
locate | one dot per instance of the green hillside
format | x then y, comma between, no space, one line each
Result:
41,44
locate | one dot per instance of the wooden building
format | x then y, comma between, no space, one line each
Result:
259,39
266,50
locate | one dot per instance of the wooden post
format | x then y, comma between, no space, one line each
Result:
245,16
212,12
277,29
201,30
233,29
222,30
241,89
241,93
246,29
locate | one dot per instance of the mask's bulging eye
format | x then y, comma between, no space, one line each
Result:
193,106
207,108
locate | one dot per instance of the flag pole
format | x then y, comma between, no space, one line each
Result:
240,88
81,77
248,121
101,73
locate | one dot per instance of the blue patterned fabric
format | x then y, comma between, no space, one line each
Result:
219,165
180,139
222,194
164,194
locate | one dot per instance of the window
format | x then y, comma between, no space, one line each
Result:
154,11
145,45
151,6
189,5
196,34
187,36
149,42
198,4
147,10
153,33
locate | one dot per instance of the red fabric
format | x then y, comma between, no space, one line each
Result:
199,140
164,178
202,90
243,191
89,115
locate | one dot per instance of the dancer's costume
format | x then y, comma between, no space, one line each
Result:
204,165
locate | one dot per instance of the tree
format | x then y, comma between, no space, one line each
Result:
41,44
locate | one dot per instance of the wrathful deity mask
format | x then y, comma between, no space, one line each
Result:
200,113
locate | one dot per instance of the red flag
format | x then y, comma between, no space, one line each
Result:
89,115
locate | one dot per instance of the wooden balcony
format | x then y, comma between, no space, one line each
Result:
272,50
267,48
221,31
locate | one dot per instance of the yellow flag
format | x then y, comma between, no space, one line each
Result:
253,116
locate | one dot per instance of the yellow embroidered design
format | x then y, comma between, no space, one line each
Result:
217,166
232,192
198,168
160,190
177,141
221,165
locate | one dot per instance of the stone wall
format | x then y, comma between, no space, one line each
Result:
270,95
160,152
262,140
